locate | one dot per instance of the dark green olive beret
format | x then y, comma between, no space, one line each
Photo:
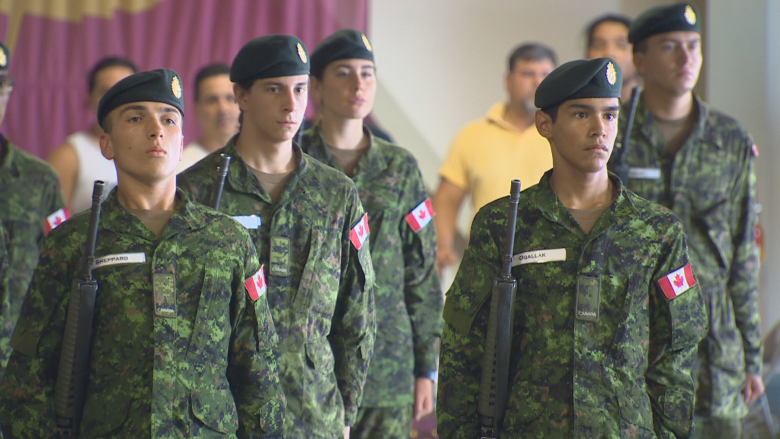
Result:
583,78
343,44
5,56
268,57
161,85
661,19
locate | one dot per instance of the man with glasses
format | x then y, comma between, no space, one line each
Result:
31,204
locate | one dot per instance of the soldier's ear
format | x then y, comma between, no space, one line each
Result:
106,147
544,124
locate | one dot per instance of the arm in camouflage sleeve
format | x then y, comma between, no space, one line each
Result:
252,370
743,277
354,322
462,348
27,391
676,327
422,289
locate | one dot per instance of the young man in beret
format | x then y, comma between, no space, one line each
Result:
607,314
403,245
182,342
31,204
700,163
312,237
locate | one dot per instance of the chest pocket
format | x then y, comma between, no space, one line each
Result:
212,325
319,286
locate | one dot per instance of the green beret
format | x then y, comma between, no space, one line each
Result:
162,85
583,78
662,19
343,44
5,57
268,57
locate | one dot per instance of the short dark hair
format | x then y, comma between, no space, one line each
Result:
640,46
552,112
207,72
608,18
531,52
105,63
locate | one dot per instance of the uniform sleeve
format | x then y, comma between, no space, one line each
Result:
743,277
676,327
27,391
455,166
422,288
252,371
353,328
463,338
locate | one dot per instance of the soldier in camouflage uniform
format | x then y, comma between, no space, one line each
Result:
311,232
403,246
608,314
183,340
699,162
29,194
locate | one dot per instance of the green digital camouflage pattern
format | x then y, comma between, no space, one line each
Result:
625,373
319,286
178,348
383,423
711,185
407,292
29,192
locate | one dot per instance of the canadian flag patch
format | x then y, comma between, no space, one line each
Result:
359,233
677,282
421,215
55,219
256,285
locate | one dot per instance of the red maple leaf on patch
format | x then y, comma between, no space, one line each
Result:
58,220
360,230
422,214
678,280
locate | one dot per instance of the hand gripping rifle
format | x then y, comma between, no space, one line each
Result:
222,171
71,386
493,391
621,168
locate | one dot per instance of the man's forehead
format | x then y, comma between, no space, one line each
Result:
595,103
148,106
297,79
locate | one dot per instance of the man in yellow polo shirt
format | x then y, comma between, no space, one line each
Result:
488,153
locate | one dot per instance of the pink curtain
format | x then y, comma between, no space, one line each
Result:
53,51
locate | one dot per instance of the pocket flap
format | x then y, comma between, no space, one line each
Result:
105,411
216,409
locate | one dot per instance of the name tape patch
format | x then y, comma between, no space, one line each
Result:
249,221
644,173
539,256
119,258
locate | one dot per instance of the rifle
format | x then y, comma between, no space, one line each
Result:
222,171
621,168
71,386
493,391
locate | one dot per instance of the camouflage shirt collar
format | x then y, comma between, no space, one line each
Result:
116,218
644,120
372,162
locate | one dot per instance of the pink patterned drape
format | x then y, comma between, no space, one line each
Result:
55,42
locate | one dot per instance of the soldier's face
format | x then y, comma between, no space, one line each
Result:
583,135
216,107
671,63
610,39
145,141
274,107
6,87
525,77
347,88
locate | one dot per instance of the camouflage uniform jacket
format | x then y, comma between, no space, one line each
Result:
598,350
29,192
178,347
711,185
319,285
407,292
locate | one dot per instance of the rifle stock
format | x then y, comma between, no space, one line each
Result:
222,171
493,391
621,168
70,388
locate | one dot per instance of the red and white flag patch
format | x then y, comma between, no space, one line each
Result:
256,285
359,233
421,215
55,219
677,282
754,150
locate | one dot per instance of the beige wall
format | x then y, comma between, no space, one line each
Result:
441,63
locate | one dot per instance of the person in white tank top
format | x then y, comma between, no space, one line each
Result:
217,111
79,162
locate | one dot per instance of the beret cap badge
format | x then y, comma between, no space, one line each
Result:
176,87
302,54
611,73
366,43
690,15
3,59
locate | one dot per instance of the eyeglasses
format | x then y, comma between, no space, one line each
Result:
6,84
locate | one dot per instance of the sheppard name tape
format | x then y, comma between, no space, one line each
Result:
644,173
119,258
539,256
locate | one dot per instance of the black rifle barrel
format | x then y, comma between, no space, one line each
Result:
627,130
222,171
70,388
